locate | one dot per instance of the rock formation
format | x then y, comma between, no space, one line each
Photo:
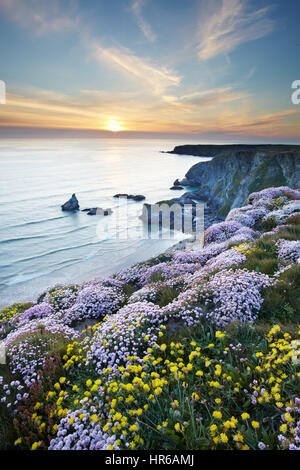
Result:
138,197
71,205
237,170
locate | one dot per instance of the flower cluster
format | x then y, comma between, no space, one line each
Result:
160,398
288,250
35,312
94,302
29,345
148,293
127,333
168,270
247,215
133,274
222,231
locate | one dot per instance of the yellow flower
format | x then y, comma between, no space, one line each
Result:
238,437
35,445
179,427
245,416
255,424
219,334
94,418
133,427
217,414
213,428
223,437
195,396
283,428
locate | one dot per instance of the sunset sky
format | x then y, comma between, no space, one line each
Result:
216,69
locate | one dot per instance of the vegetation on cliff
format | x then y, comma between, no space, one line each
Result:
238,170
190,350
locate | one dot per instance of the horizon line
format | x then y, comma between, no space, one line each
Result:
46,132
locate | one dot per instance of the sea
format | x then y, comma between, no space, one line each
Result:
41,246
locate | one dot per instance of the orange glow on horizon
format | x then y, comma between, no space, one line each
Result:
114,126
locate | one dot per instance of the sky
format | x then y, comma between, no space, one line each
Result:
217,70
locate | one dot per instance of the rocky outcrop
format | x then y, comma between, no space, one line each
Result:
98,211
71,205
237,170
137,197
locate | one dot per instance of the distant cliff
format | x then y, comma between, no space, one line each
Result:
238,170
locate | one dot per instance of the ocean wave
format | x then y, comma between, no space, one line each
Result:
40,221
52,252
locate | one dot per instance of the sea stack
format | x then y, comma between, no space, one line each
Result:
71,205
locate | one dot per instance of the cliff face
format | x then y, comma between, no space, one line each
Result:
238,170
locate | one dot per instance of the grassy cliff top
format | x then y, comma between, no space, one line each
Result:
225,150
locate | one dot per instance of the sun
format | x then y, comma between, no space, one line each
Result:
114,126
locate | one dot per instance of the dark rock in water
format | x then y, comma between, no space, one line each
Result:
99,211
176,188
92,211
71,205
137,197
176,182
86,210
107,212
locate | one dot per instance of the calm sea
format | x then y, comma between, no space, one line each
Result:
40,245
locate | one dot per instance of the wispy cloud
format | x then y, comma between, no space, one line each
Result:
271,118
144,26
41,17
213,97
229,24
155,78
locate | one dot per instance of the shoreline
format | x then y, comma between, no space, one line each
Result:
30,290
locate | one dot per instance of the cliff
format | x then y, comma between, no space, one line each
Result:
237,170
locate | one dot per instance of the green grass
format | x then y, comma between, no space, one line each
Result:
7,432
264,177
282,301
269,224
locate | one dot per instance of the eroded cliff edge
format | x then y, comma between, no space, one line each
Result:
237,170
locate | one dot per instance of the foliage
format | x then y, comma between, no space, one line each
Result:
185,353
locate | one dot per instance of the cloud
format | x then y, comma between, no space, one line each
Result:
41,16
204,99
213,96
136,8
271,118
228,25
93,109
155,78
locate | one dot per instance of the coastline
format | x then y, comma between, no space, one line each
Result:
39,241
30,290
